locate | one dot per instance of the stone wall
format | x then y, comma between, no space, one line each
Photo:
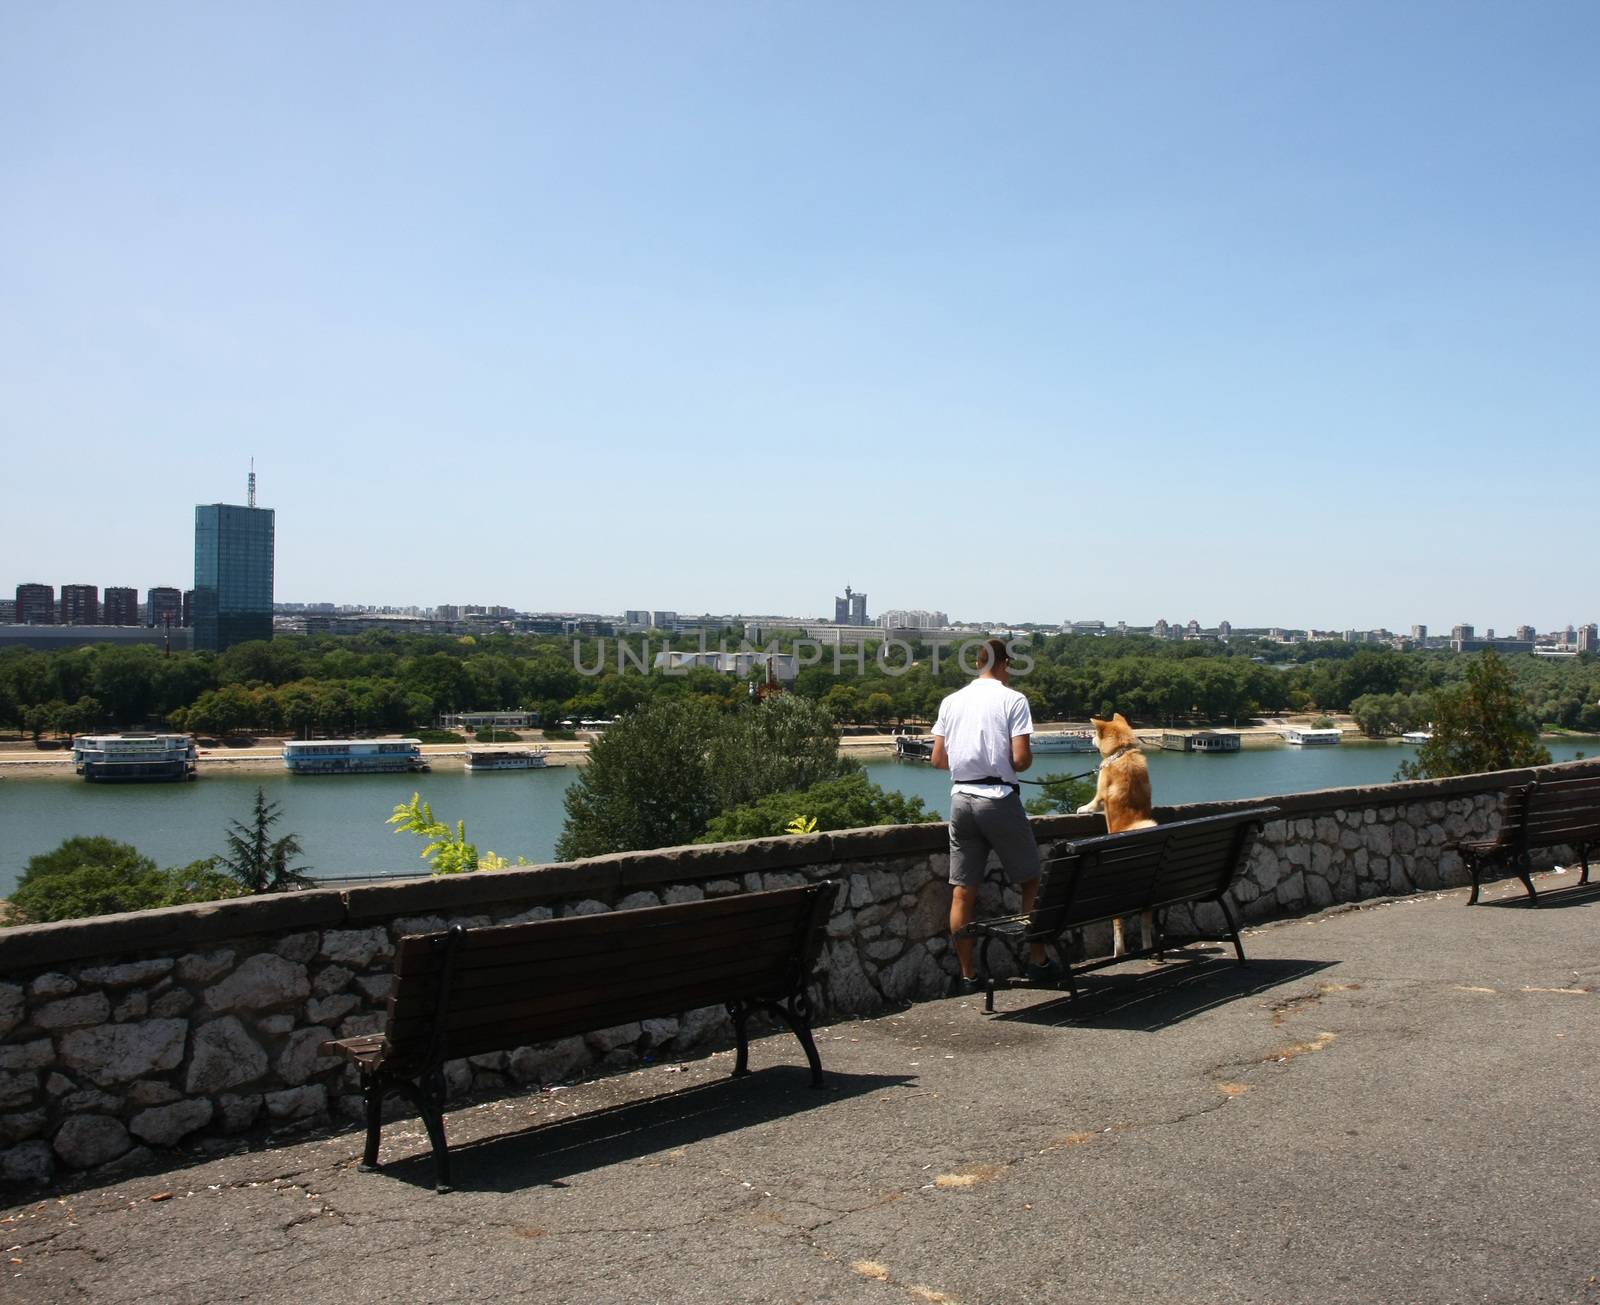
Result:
192,1025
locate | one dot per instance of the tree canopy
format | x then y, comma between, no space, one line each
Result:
92,875
1481,724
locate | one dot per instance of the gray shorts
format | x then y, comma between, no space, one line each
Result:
980,825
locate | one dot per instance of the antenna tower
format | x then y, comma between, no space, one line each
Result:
251,500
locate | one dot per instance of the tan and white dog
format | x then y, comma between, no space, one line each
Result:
1123,794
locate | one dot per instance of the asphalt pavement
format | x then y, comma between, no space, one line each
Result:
1394,1103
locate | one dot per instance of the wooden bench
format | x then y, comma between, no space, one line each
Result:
1542,813
468,992
1123,875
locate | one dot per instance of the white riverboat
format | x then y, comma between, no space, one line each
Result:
1064,741
1307,737
1416,736
506,759
114,758
913,748
353,756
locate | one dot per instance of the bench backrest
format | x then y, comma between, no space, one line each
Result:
1144,869
1558,811
464,992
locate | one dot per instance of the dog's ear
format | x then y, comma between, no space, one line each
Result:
1099,725
1120,719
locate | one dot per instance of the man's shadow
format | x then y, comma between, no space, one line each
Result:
1156,997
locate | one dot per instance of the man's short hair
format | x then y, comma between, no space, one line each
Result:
995,653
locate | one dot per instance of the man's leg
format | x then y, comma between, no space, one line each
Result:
969,854
1029,891
963,909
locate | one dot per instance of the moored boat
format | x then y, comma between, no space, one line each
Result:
353,756
1064,741
913,748
1416,736
118,758
506,758
1307,737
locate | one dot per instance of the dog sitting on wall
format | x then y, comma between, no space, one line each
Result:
1123,794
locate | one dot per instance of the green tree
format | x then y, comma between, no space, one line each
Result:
100,876
1060,795
261,863
647,783
780,745
849,802
449,852
1479,725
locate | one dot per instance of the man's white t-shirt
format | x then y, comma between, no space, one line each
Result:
977,724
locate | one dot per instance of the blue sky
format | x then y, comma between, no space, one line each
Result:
1269,312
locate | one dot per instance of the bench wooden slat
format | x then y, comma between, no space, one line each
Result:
469,992
1552,812
1120,875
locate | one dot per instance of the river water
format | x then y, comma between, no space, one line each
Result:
340,818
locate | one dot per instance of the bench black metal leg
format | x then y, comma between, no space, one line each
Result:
372,1089
1233,929
1583,855
796,1013
427,1096
740,1013
1527,879
1477,876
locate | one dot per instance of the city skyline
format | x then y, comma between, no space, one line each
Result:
1258,311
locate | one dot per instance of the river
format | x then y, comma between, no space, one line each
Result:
340,819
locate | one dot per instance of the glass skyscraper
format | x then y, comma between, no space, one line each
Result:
232,575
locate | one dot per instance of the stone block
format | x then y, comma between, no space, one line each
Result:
297,1102
117,1053
721,888
260,983
586,907
135,1006
658,1031
683,893
298,947
11,1007
300,1059
152,1092
202,967
275,1026
19,1088
168,1004
53,985
331,979
326,1010
548,1062
915,975
637,900
125,976
849,990
73,1012
27,1055
842,924
375,986
85,1141
225,1056
236,1113
885,949
355,1025
620,1035
532,915
30,1165
169,1125
20,1127
90,1100
357,948
698,1028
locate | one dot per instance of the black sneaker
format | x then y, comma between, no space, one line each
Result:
1045,975
965,987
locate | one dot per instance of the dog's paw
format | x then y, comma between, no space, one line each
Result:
1089,808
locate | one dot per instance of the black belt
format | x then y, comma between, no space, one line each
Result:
989,779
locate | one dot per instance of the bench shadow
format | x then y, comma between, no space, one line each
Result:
1549,898
545,1154
1149,1000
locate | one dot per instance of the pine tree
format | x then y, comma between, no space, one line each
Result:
257,860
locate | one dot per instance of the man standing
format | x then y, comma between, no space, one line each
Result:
982,739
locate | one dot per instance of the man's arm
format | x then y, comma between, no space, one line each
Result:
1021,753
940,758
